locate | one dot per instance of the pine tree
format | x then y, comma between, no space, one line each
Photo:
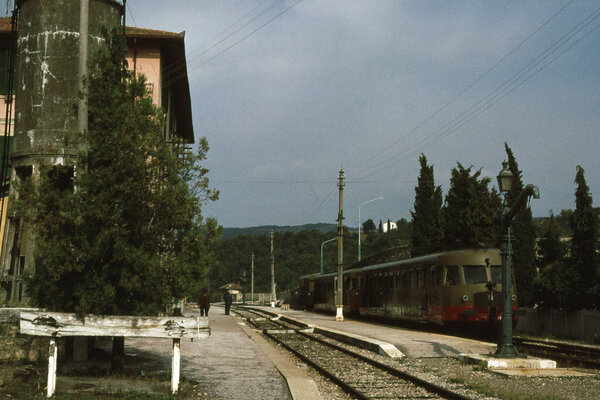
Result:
522,235
426,217
584,261
469,210
124,233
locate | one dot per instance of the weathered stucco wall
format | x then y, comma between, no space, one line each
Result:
47,85
146,61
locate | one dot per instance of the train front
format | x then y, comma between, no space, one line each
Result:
474,289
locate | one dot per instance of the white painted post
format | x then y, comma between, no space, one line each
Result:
52,367
175,366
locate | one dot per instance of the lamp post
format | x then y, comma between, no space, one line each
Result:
362,204
327,241
505,348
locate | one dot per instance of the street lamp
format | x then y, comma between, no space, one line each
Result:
505,179
362,204
327,241
505,348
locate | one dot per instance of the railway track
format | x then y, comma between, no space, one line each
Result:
361,376
566,354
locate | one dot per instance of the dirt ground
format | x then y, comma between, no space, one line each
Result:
144,378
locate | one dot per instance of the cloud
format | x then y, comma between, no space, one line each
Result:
367,85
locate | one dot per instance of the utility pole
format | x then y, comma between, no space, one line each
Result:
252,279
84,16
273,296
339,316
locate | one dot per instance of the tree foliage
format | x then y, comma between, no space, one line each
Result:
369,226
550,247
426,217
584,262
296,254
523,236
469,210
123,234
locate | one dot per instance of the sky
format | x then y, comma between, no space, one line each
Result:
289,92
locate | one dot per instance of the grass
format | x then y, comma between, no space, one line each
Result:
32,386
505,392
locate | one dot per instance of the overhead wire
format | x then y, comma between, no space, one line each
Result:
395,142
319,205
177,64
238,41
486,102
131,15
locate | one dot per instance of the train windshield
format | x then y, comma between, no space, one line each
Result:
475,274
496,271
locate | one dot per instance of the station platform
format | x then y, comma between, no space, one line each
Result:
410,342
233,363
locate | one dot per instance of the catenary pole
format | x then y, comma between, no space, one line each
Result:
340,279
273,295
252,279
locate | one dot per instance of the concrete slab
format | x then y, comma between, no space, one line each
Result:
227,365
554,372
491,362
301,386
409,342
377,346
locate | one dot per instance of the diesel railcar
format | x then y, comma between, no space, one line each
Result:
447,288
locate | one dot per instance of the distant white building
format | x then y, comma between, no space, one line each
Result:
389,226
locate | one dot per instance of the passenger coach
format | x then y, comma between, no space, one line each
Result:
454,287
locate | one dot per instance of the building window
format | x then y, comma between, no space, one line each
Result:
4,70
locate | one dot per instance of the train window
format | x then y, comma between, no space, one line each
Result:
436,275
413,279
397,279
475,274
452,278
496,272
404,279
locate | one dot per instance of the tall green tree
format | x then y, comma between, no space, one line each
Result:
426,217
124,233
523,236
469,210
550,283
550,247
584,262
369,226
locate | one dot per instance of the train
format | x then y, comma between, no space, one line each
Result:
450,288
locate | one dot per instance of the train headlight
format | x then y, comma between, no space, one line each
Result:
465,298
513,297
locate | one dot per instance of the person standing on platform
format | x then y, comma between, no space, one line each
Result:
204,303
228,300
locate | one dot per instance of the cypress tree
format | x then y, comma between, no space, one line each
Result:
550,247
584,260
522,236
469,210
426,217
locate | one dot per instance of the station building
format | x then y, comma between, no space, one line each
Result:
158,55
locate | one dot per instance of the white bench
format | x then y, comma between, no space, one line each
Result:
53,325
